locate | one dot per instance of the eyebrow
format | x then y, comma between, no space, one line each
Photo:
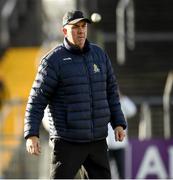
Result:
75,25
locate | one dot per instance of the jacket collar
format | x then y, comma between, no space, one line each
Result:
75,49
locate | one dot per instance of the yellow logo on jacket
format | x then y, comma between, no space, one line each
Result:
96,69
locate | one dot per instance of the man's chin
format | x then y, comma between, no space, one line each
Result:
81,45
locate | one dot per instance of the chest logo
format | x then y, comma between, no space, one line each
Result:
67,59
96,69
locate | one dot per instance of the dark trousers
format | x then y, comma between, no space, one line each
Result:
67,158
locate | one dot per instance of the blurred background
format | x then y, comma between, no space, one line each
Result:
138,36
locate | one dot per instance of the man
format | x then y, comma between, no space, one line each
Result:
77,83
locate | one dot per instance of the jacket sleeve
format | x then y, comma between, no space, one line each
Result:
117,117
44,85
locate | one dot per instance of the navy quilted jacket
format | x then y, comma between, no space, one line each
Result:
81,92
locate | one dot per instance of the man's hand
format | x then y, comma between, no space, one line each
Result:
119,133
33,145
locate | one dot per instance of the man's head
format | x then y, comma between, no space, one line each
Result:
72,17
75,28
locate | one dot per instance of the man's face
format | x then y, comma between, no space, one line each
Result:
76,33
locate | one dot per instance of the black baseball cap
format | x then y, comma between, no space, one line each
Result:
73,17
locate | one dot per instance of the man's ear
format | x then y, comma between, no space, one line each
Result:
64,31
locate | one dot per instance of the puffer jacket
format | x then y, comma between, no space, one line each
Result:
81,92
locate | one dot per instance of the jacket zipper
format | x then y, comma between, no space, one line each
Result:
90,94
